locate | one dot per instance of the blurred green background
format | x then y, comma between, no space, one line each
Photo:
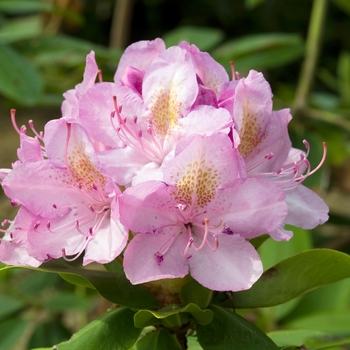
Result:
303,49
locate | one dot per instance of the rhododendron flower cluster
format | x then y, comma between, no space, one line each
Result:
174,166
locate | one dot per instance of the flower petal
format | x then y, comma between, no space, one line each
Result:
234,265
140,259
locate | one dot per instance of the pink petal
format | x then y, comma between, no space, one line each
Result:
206,164
107,244
250,208
305,208
139,55
276,141
30,150
90,74
41,188
140,261
252,111
212,74
233,266
169,89
204,120
147,206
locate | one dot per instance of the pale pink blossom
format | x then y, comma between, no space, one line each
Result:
199,218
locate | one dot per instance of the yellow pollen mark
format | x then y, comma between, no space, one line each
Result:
198,184
251,134
84,172
165,108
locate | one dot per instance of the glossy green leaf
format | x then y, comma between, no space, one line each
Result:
194,292
19,79
158,340
294,276
9,305
113,287
193,344
144,318
272,252
77,280
204,38
112,331
230,331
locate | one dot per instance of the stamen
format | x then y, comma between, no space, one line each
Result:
134,139
40,135
188,245
261,161
22,129
64,255
205,236
36,225
233,72
99,74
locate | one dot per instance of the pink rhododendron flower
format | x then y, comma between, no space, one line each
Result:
199,218
206,163
72,204
266,148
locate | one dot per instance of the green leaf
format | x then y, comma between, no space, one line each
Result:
194,292
260,51
65,301
294,276
24,6
250,4
173,315
332,297
11,331
9,305
158,340
20,29
272,252
344,77
112,331
344,5
230,331
311,338
336,322
113,287
258,241
47,333
19,79
204,38
192,343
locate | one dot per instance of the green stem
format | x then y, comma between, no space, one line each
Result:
313,43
